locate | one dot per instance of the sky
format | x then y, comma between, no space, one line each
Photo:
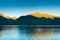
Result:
24,7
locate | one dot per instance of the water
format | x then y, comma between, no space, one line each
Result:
30,32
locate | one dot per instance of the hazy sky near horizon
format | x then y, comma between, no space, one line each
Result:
24,7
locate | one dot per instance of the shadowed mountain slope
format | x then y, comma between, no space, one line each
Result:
5,21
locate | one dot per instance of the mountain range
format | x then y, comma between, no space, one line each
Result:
31,19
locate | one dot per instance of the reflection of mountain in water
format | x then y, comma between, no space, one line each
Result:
32,19
19,32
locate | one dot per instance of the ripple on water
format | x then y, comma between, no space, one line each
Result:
27,33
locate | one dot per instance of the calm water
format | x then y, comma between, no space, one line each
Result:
29,32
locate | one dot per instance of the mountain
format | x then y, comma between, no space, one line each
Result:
31,19
6,20
40,15
38,19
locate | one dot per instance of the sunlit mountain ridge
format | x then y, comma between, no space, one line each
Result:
8,17
40,15
36,14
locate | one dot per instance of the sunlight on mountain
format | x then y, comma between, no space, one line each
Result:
7,17
39,15
1,14
14,18
57,16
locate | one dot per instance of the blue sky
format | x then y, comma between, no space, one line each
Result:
24,7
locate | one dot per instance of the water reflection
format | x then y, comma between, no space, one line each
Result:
29,32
